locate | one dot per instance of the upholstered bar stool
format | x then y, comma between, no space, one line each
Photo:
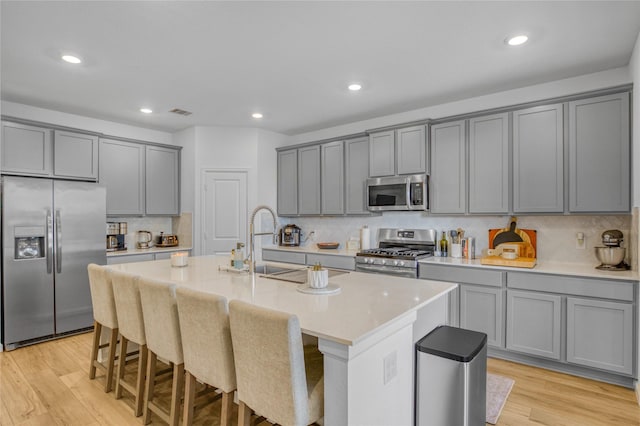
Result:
129,310
104,315
277,378
162,331
206,344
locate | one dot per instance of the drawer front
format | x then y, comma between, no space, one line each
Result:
283,256
331,261
130,259
455,274
590,287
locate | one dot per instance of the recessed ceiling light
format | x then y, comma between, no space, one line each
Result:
146,110
71,59
355,87
256,115
517,40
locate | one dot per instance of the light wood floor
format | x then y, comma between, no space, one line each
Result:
48,384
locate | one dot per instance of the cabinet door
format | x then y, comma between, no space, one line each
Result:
162,181
75,155
534,323
489,164
481,310
288,182
309,180
26,150
382,154
356,174
599,154
332,174
448,168
122,173
600,334
538,160
411,150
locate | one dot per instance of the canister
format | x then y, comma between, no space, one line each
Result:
470,248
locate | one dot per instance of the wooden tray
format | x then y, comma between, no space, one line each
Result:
521,262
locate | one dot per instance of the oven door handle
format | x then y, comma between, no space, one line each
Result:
405,272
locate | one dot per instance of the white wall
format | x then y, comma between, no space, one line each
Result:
583,83
84,123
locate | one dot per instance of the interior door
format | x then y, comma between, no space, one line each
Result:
225,211
27,261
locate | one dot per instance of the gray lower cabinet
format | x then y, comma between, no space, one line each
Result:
488,164
274,255
332,177
75,155
448,168
481,310
309,180
382,153
600,334
538,160
332,261
534,323
162,181
122,172
599,154
114,260
288,182
356,174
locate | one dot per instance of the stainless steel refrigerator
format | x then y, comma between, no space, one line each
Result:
51,231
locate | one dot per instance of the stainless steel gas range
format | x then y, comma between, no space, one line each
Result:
398,252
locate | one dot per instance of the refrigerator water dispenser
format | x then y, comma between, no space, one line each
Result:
29,242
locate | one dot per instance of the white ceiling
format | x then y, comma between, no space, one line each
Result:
292,61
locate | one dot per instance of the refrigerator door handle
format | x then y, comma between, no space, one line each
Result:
58,242
49,242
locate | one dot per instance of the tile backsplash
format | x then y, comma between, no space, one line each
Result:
155,225
556,235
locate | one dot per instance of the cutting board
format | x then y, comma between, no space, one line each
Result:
528,236
521,262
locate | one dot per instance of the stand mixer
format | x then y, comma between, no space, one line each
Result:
612,255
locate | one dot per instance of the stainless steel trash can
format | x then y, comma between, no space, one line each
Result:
451,378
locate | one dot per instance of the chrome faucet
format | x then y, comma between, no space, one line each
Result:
252,234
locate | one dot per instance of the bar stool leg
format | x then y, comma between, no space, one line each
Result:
113,340
97,331
148,391
244,414
177,390
122,357
140,381
227,406
189,399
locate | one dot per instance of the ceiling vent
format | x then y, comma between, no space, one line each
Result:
180,111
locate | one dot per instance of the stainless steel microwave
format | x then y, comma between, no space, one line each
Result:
398,193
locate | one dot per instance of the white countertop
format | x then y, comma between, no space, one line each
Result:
545,267
365,304
152,250
313,248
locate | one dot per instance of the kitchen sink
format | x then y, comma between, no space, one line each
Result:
294,275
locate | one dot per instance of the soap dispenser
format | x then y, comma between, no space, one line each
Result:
238,260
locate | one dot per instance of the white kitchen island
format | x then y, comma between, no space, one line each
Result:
366,331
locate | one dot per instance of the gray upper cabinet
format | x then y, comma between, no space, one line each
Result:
448,168
309,180
75,155
382,153
534,323
488,164
26,149
37,151
411,150
538,160
122,172
288,182
332,174
600,334
162,181
599,154
356,173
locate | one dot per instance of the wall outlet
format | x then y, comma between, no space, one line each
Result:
581,241
390,369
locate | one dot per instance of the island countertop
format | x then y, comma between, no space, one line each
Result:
365,304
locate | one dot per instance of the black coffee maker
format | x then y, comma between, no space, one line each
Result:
290,235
